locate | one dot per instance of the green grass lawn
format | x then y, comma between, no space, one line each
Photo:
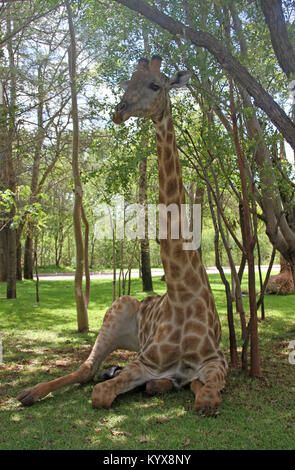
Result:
40,343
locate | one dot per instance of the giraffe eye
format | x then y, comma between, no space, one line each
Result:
154,87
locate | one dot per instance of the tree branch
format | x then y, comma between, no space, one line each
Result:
274,17
203,39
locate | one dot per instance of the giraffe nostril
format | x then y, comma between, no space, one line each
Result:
122,106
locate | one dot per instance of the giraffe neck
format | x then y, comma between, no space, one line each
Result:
176,261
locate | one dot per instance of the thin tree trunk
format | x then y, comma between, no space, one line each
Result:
229,300
28,256
3,254
81,304
146,273
86,256
250,243
36,269
39,139
260,280
11,231
244,355
114,264
11,271
92,250
147,283
260,300
19,274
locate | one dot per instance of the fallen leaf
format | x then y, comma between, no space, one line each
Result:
162,419
121,433
187,442
61,363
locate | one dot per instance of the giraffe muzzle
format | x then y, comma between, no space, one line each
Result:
117,118
120,114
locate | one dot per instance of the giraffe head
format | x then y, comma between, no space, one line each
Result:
146,93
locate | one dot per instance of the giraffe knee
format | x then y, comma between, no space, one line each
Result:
86,373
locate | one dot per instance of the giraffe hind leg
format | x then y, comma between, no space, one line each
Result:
208,395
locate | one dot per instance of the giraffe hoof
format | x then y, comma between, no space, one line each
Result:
207,400
103,396
26,397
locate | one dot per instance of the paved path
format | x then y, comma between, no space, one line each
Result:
134,273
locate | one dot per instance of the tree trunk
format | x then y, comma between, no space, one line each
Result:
36,269
10,172
270,199
249,247
86,256
81,303
147,283
11,271
3,255
114,264
92,251
19,231
274,17
260,301
19,274
229,299
28,258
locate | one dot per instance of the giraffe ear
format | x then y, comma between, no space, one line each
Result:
180,79
124,84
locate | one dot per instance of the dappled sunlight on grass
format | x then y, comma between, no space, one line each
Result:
41,343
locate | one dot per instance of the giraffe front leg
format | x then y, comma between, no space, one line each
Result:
118,331
208,395
84,374
130,377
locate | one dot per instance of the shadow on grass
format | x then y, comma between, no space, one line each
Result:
35,338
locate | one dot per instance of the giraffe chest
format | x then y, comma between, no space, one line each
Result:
174,340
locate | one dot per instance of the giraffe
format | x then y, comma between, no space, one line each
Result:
176,335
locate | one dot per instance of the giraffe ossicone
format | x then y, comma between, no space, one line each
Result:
176,335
